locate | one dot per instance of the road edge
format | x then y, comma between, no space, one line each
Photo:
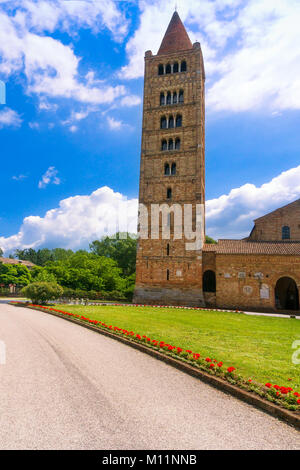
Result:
216,382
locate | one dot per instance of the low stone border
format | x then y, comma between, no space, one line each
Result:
217,382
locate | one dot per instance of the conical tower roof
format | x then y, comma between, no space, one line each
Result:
176,38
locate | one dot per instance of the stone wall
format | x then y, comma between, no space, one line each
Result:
269,227
249,281
166,271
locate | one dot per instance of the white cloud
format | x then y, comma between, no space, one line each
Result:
34,125
80,219
76,222
19,177
50,177
231,215
9,117
250,49
130,100
70,15
44,105
114,124
51,67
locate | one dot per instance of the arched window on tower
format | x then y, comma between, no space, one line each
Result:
173,169
162,99
209,281
168,69
178,120
168,275
167,169
169,193
168,249
175,98
169,98
177,144
171,144
164,145
286,233
163,122
171,122
175,67
183,66
181,96
160,69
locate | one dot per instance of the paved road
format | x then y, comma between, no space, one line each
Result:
65,387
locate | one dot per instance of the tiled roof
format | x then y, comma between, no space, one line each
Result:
176,38
244,247
16,261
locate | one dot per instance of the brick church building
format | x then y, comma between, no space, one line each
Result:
261,272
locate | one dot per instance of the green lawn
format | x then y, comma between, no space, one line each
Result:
259,347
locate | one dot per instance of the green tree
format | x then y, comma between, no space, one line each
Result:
210,241
14,274
42,275
43,256
121,248
1,252
42,292
87,271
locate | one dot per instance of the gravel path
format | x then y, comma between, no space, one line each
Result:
65,387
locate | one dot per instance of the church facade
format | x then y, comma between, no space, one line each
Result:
261,272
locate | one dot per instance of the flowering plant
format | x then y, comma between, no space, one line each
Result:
282,395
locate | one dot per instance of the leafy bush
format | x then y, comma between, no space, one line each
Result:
42,292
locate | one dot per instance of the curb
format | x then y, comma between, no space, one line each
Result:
217,382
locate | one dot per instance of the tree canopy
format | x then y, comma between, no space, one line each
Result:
14,274
121,248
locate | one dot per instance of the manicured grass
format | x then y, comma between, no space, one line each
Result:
259,347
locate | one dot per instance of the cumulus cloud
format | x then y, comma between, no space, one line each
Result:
76,222
80,219
130,100
9,117
114,124
231,215
51,68
50,177
93,14
248,47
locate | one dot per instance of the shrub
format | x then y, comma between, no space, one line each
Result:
41,292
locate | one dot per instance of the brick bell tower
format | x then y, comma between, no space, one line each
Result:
172,166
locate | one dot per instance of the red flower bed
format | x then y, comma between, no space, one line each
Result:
284,395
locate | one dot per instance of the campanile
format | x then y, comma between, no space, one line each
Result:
172,168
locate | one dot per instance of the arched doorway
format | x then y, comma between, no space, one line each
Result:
209,281
286,294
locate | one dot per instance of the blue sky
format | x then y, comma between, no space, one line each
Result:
71,127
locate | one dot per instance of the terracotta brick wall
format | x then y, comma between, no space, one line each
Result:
269,227
188,185
244,281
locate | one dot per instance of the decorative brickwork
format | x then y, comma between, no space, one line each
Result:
166,272
261,272
281,224
176,38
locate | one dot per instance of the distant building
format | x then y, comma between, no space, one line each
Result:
28,264
261,272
